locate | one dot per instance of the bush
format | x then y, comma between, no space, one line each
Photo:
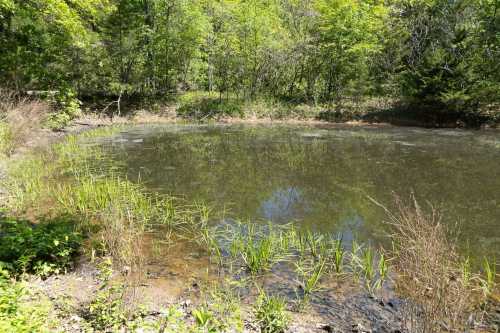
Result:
67,108
44,249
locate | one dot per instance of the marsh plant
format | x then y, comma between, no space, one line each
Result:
440,287
258,250
338,256
309,275
69,178
488,280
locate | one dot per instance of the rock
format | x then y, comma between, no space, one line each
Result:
359,328
326,327
186,303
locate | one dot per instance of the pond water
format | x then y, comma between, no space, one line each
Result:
322,177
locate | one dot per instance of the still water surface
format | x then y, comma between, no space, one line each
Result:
322,177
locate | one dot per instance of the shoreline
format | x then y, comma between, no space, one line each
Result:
347,306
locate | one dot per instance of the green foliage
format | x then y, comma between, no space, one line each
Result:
21,309
270,312
439,55
447,55
106,311
67,108
45,248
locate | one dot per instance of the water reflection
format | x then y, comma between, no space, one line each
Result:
284,205
320,177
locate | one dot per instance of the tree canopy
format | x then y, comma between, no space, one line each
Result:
439,53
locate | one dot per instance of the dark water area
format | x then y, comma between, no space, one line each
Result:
322,177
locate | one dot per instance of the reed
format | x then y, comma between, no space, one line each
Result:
438,283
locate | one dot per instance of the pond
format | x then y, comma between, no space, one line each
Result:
323,177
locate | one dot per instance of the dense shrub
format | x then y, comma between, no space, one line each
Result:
67,108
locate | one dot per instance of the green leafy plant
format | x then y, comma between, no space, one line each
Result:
67,108
270,312
203,318
106,311
21,309
46,248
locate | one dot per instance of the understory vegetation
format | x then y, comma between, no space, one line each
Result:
431,63
80,206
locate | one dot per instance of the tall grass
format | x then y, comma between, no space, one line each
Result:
20,119
74,179
441,289
259,250
5,138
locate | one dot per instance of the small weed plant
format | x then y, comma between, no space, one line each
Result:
106,311
271,314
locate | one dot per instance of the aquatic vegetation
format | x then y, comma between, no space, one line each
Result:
338,256
69,179
258,250
270,312
488,282
309,275
117,214
437,282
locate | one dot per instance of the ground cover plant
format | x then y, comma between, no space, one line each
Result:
22,309
45,248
